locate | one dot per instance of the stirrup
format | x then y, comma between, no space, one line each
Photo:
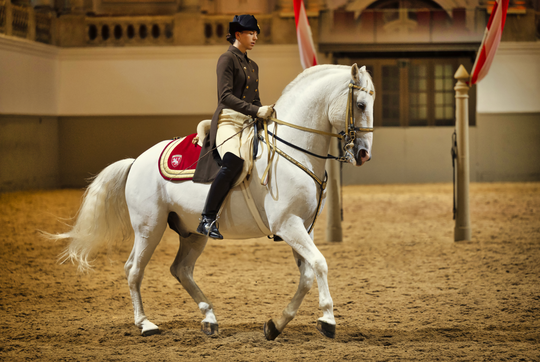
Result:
208,227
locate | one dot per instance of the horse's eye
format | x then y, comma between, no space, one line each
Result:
362,106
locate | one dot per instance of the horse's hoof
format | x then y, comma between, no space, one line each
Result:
149,328
149,332
270,330
209,328
326,329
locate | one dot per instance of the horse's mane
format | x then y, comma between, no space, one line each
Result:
309,72
315,70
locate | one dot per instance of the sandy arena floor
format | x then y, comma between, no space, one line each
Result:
402,288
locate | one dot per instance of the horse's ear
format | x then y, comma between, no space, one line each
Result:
363,69
354,73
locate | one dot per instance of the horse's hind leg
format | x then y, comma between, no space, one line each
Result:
273,329
147,236
182,269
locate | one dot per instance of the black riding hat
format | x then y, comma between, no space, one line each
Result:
243,22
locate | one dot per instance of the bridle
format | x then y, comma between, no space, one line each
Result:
348,136
350,132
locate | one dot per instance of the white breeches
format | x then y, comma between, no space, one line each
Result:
230,123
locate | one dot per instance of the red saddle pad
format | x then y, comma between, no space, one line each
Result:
179,159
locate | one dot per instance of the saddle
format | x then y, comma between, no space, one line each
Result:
178,160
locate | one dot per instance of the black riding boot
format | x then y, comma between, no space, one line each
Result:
231,167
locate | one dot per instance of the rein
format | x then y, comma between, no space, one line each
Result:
292,145
348,137
273,149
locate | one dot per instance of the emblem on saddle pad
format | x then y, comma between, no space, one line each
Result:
176,159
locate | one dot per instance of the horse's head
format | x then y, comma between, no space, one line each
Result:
355,101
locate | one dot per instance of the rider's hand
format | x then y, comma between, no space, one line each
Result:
265,111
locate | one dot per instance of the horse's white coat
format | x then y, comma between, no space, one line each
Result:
317,99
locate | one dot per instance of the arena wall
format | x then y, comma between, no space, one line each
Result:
176,80
67,113
29,138
29,157
89,143
508,116
29,77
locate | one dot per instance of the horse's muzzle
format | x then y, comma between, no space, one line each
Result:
362,156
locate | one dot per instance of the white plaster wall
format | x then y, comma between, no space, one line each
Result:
513,82
28,77
409,155
160,80
37,79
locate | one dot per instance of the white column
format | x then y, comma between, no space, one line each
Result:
462,230
333,196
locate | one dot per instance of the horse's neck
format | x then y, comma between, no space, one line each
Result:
306,106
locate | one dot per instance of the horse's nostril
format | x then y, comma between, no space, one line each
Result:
363,153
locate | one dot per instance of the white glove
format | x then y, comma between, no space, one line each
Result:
265,111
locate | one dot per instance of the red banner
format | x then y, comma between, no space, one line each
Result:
308,54
490,43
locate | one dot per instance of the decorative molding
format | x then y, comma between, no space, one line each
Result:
172,52
519,48
136,53
360,5
20,45
142,52
398,47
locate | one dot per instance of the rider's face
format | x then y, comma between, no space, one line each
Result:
246,39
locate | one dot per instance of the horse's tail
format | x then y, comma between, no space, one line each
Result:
102,218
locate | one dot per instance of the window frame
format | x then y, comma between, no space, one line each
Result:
375,66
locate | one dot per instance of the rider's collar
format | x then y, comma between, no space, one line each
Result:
237,52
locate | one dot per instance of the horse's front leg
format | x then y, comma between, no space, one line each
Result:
273,329
295,234
182,269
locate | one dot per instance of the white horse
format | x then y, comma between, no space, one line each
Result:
130,196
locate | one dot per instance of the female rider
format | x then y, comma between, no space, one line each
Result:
238,96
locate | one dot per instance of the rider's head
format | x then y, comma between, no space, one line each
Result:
244,29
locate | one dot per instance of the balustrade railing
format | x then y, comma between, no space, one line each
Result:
19,25
217,26
133,30
2,17
371,26
44,26
24,22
